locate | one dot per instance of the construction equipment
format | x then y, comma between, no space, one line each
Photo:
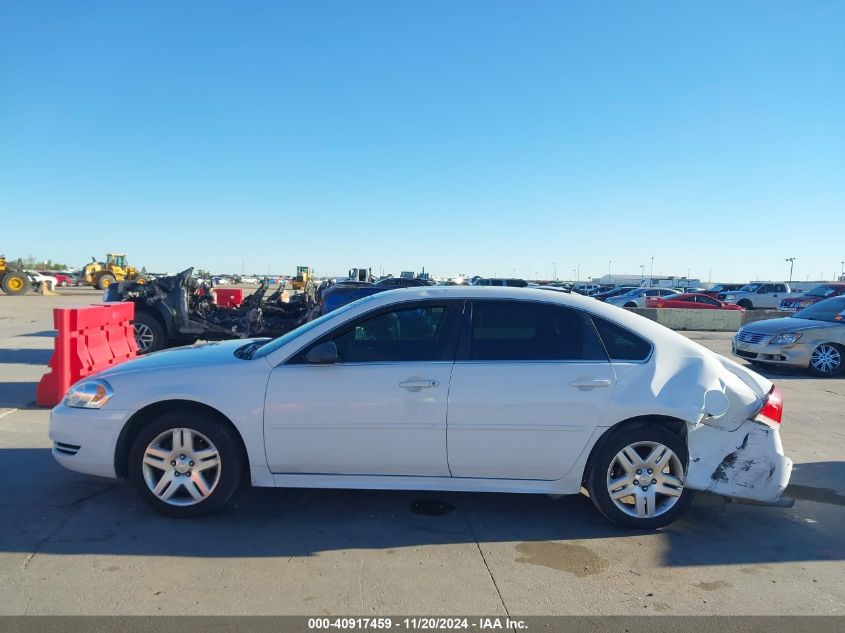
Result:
115,269
361,274
303,275
13,279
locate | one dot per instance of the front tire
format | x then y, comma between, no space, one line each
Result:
105,281
827,360
630,304
745,304
636,479
186,464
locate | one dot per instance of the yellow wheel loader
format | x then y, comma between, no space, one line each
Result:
115,269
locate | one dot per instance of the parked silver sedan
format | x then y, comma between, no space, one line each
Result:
813,339
636,298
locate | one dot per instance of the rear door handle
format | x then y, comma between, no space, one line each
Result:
589,383
418,385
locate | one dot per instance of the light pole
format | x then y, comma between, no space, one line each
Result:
609,262
651,274
642,273
578,273
554,269
791,261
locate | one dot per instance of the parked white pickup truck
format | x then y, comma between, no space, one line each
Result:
759,295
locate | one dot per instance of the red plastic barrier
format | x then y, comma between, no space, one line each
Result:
89,340
229,297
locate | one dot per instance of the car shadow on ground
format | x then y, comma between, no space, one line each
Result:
41,334
17,395
26,356
64,513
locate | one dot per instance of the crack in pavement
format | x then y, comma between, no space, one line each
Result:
74,506
486,565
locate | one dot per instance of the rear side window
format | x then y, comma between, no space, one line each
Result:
530,331
621,343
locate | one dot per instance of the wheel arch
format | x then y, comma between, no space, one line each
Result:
145,415
675,425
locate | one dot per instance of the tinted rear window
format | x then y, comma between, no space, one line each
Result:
529,331
620,343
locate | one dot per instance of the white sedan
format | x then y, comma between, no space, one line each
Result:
438,388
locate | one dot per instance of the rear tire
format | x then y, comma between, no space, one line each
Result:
612,473
149,334
630,304
186,464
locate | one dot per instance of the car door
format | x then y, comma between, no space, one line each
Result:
380,409
529,386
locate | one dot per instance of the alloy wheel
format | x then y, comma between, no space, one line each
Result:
143,337
181,467
826,359
645,479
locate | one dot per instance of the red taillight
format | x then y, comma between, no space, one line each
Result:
772,411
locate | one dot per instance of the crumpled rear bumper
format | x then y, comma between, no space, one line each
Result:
747,463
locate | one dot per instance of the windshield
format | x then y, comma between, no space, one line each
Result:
283,340
822,291
831,310
750,288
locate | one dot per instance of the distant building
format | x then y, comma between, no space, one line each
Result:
658,280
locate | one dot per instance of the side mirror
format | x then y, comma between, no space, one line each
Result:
322,354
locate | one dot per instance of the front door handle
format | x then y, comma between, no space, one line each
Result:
419,385
585,384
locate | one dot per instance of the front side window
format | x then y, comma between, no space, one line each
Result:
411,334
529,331
706,300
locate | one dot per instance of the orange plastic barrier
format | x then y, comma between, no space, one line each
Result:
90,339
229,297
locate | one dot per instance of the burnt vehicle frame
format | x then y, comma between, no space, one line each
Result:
181,309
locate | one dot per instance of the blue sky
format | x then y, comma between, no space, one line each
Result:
466,137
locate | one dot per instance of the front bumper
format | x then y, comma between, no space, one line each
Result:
794,355
84,440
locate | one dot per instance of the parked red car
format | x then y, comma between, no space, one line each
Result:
692,300
819,293
62,279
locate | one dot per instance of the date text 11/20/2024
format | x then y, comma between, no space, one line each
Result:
418,623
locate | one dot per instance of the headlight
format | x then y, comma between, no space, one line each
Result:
785,339
90,394
730,297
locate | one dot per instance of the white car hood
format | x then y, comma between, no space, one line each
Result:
181,357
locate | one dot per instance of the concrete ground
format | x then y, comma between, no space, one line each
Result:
71,544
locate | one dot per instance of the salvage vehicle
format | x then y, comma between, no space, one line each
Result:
14,280
115,269
819,293
179,310
813,339
546,392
